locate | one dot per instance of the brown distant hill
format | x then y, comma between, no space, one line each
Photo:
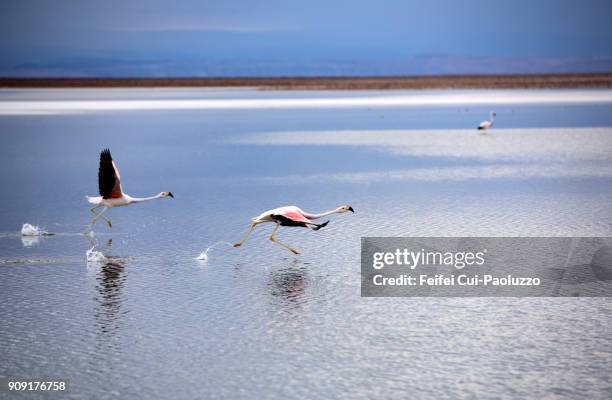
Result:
595,80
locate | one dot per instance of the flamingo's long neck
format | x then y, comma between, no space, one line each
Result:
141,199
325,214
492,118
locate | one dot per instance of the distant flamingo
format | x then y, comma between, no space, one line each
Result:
487,124
111,193
290,216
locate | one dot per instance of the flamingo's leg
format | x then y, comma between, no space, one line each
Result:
93,210
246,235
99,215
108,221
294,251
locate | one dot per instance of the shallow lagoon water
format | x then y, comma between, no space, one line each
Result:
153,322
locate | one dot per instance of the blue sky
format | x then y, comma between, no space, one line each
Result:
315,37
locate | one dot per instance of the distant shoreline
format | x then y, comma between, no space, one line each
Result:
539,81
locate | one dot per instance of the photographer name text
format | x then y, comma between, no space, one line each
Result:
454,280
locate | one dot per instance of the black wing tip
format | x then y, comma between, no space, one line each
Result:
323,225
105,153
106,174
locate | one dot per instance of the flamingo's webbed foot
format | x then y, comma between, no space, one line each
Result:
110,225
237,245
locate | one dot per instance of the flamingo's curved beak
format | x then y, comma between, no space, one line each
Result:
170,194
351,209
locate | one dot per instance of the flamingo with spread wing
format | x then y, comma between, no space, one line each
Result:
111,193
290,216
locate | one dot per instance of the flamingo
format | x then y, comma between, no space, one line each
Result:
111,193
290,216
487,124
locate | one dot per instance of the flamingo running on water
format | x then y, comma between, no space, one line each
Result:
111,193
487,124
290,216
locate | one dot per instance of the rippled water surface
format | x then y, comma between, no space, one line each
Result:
147,320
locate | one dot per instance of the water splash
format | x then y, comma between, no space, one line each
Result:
33,230
204,255
95,257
